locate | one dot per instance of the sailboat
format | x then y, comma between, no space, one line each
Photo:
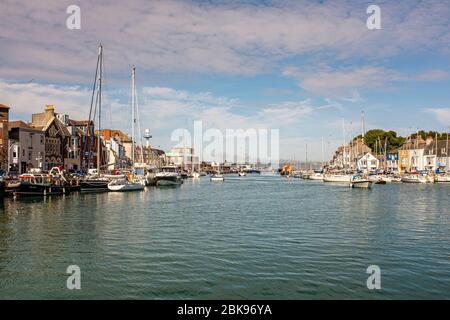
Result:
94,182
134,182
342,176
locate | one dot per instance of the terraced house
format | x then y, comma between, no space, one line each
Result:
56,136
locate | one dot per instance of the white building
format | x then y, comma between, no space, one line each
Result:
368,163
183,157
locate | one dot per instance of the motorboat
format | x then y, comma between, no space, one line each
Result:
217,177
168,176
38,184
242,173
442,178
360,181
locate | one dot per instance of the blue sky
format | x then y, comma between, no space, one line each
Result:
297,66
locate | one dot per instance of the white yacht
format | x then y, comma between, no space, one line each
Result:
359,181
417,178
337,177
125,185
442,177
217,177
168,176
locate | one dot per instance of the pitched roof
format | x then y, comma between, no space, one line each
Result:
430,149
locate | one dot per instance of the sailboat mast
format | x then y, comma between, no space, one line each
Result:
323,153
133,69
100,52
446,151
343,146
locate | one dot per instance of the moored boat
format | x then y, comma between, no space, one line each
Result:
442,178
94,184
168,176
217,177
360,181
38,184
125,185
337,177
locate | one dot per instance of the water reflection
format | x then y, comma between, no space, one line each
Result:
253,237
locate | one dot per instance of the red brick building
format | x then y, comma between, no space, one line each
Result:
4,119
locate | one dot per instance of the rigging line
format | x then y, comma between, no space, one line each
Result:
88,127
92,137
138,119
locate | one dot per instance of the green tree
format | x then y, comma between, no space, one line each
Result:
378,137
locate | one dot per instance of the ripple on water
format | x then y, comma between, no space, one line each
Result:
254,237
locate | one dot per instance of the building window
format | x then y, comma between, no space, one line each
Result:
29,155
42,139
31,140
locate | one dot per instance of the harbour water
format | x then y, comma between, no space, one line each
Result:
254,237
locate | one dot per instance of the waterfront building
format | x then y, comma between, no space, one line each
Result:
183,157
56,136
153,157
4,145
392,161
368,163
71,149
115,151
26,147
436,156
347,155
410,155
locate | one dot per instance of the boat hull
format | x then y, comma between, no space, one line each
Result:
126,187
32,190
441,179
337,178
217,178
316,177
94,186
363,184
168,180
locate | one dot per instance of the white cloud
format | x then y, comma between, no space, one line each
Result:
163,109
226,38
442,115
347,83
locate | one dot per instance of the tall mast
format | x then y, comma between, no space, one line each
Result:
100,52
306,160
343,150
323,153
133,70
446,151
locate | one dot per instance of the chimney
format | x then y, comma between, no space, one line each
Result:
429,140
50,110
